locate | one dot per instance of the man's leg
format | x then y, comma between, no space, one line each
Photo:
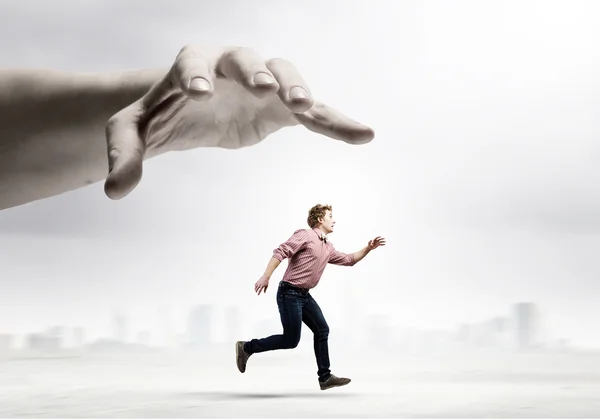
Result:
290,312
314,319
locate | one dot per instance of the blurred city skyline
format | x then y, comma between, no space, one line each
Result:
206,325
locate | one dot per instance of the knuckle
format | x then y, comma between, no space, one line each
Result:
185,69
186,50
279,63
113,152
231,55
243,57
276,61
237,51
182,63
112,123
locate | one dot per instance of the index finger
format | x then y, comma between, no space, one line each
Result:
325,120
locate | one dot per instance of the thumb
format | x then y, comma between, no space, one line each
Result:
126,151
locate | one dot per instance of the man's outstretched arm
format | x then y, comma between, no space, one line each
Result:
358,256
351,259
52,128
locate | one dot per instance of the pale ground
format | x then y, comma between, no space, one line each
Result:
284,385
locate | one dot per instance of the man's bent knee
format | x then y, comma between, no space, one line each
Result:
322,334
290,342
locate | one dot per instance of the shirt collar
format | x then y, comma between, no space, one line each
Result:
320,234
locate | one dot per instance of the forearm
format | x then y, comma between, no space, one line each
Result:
52,128
273,264
358,256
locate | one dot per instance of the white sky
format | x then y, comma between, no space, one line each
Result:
482,177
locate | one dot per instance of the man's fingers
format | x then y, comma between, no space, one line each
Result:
246,67
377,241
260,288
325,120
125,155
293,91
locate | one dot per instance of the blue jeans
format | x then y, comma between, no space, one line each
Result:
297,306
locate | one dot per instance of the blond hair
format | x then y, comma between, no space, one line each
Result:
316,212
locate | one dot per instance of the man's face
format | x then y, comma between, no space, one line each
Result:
327,222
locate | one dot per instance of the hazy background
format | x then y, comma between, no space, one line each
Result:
483,175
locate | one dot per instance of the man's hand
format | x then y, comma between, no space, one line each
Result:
261,285
216,97
376,242
373,244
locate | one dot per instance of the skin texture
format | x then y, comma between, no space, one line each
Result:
62,131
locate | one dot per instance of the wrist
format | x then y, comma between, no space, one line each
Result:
133,83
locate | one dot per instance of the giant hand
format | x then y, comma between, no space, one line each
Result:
227,97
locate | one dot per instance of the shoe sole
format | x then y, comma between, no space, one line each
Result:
335,385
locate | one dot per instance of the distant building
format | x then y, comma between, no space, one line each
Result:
498,332
526,325
463,333
167,336
57,331
499,325
120,331
78,337
233,319
43,342
7,342
199,326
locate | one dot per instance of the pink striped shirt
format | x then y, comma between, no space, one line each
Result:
308,256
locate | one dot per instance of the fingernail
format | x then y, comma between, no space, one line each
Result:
200,84
298,92
263,78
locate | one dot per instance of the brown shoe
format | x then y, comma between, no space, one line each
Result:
333,381
241,355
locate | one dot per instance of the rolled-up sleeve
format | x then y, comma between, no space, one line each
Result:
291,246
340,258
